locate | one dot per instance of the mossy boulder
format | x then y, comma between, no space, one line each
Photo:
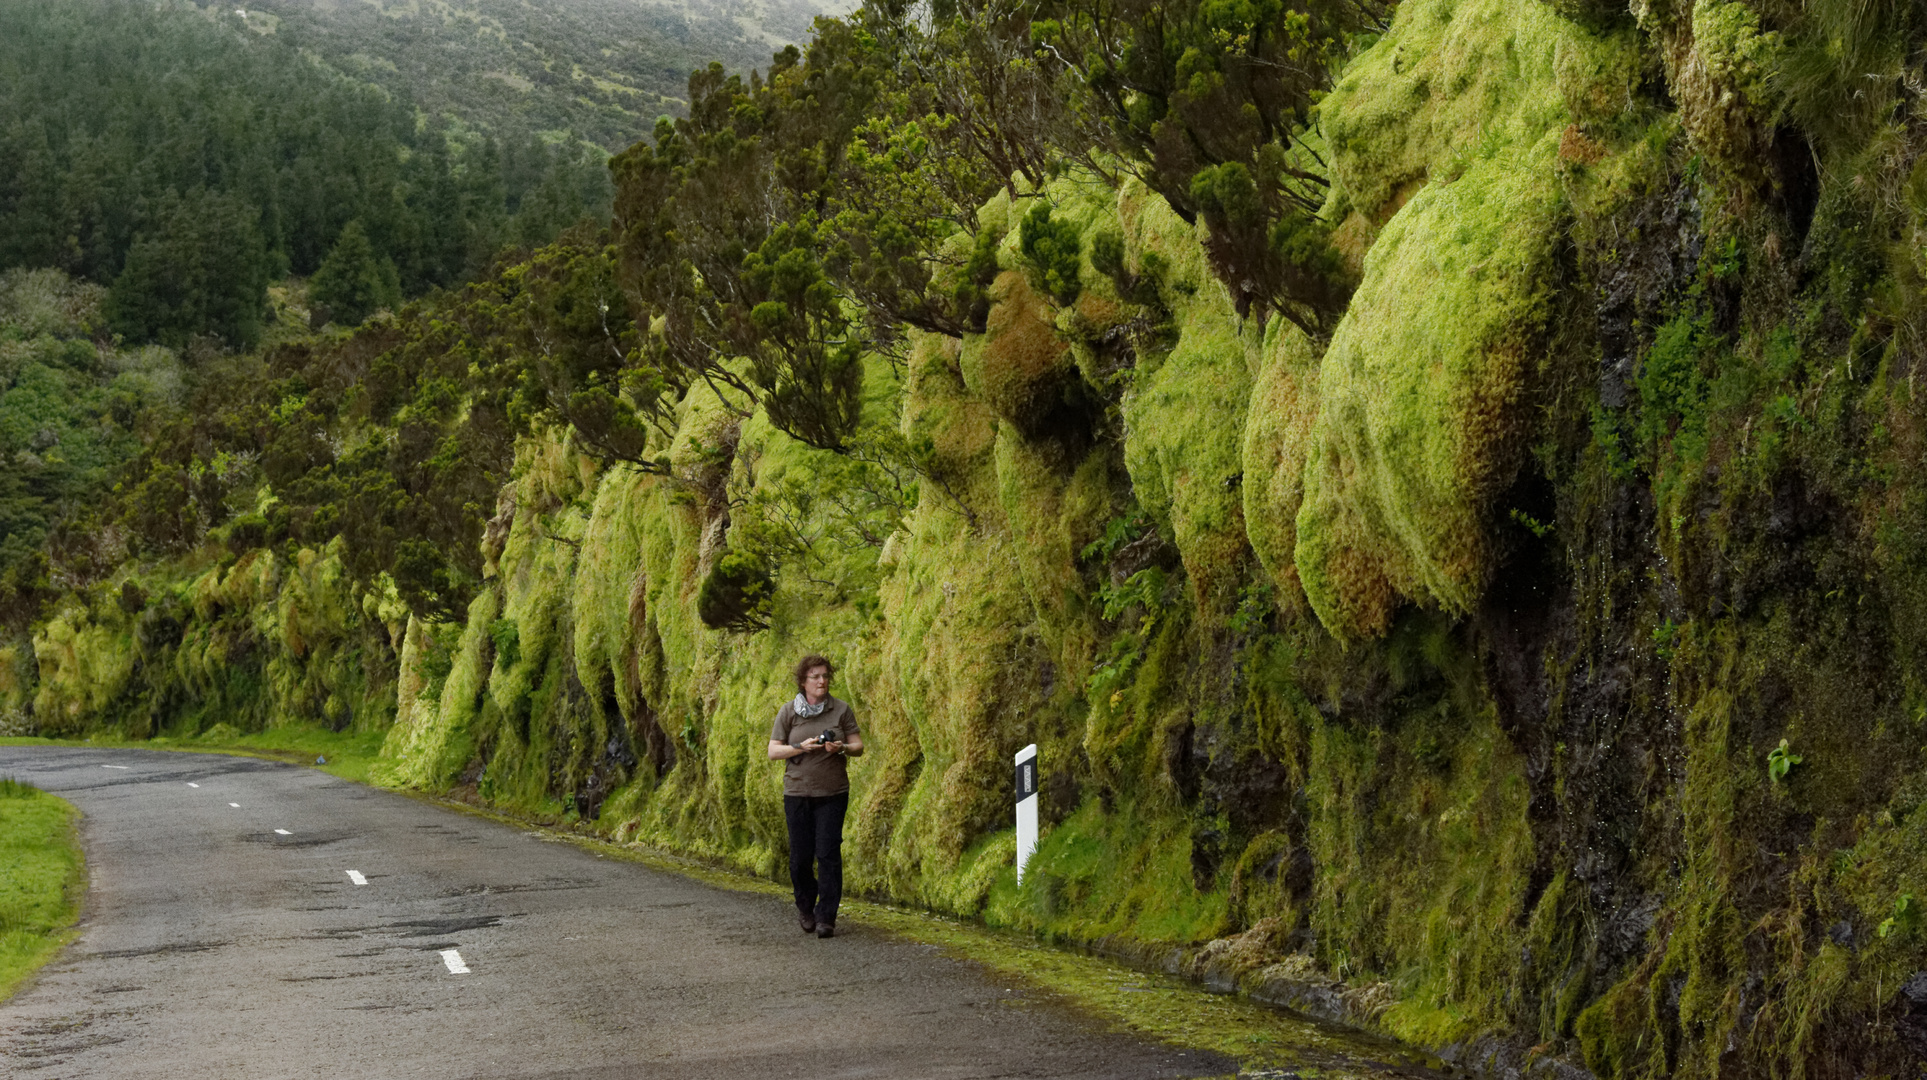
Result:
952,429
1454,83
1722,63
1426,389
1019,366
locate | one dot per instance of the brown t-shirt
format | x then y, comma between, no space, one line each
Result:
818,772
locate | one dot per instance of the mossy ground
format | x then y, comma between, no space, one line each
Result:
42,878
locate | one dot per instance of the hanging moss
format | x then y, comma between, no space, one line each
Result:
1284,409
1426,391
1185,412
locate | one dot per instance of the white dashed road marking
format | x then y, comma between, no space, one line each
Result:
116,766
191,783
355,876
454,961
236,805
282,832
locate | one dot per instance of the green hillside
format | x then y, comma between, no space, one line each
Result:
602,70
1440,482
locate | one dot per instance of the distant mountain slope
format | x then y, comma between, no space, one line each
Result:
603,69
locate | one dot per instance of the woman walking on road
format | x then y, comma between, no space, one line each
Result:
815,734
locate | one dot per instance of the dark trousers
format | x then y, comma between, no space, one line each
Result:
816,836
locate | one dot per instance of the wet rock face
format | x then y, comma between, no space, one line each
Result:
1653,261
1910,1020
1238,793
593,755
1583,702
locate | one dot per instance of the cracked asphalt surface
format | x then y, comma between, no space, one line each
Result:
214,946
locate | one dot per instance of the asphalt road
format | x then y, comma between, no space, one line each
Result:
224,936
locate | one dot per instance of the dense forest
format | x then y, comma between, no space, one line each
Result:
184,163
1441,482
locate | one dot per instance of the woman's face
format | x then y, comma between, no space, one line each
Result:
817,683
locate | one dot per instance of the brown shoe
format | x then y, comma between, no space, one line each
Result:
808,920
825,930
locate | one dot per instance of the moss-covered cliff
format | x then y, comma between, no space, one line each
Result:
1540,654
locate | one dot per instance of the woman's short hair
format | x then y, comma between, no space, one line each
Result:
811,663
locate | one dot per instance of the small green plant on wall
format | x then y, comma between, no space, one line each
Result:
1905,917
1780,761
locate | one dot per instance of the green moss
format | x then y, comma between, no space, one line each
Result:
1278,428
1455,82
1624,1033
17,672
1417,825
955,428
1186,410
440,690
1125,733
1598,76
253,642
1018,366
1054,518
607,589
1123,873
1426,390
955,692
1727,92
1430,1023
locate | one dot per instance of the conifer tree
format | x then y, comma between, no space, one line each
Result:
201,267
353,282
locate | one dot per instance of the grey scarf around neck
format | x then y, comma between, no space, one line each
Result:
802,707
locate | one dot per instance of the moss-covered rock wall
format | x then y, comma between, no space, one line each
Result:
1538,660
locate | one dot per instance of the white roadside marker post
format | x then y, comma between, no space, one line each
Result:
1026,807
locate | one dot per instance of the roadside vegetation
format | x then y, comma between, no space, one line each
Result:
42,879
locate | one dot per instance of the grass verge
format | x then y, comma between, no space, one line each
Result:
42,877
